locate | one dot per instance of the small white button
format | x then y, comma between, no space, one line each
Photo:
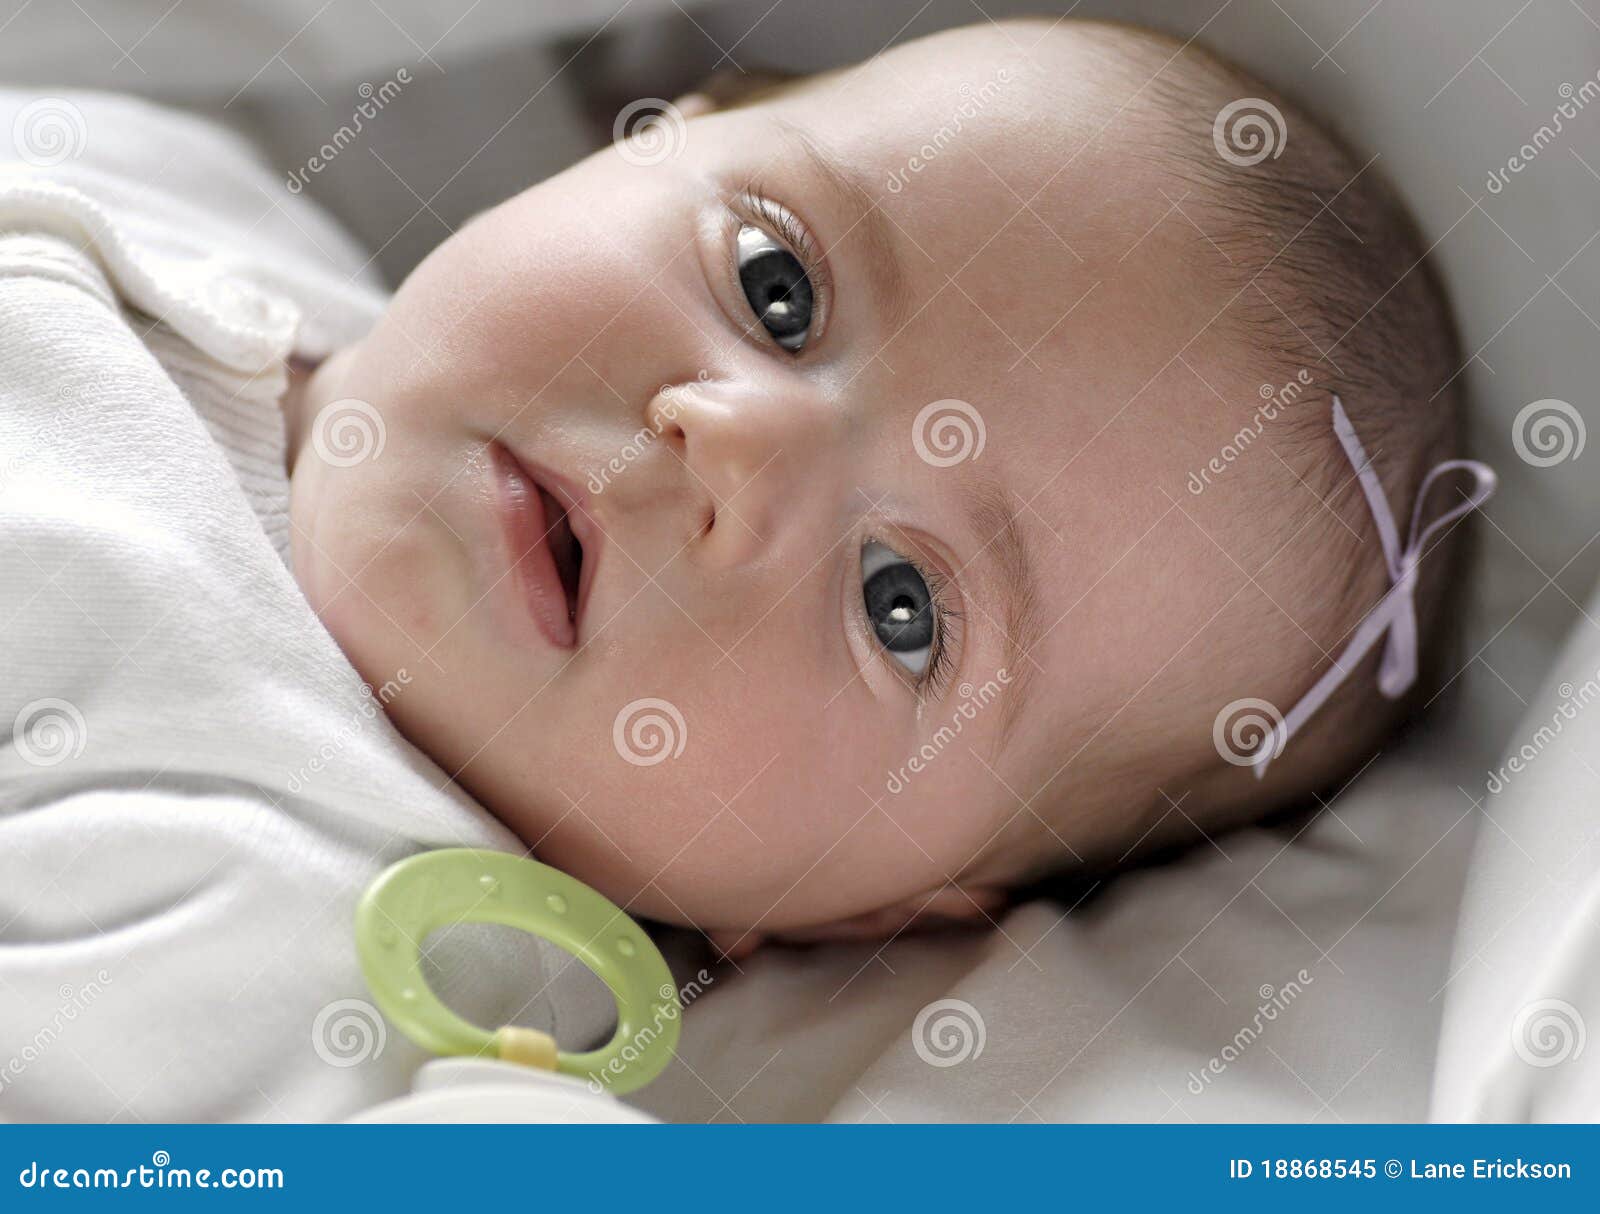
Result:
241,301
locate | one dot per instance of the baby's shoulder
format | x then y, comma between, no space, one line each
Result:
190,221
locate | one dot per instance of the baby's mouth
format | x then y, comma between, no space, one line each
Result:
546,556
565,549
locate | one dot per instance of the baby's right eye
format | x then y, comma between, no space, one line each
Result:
776,286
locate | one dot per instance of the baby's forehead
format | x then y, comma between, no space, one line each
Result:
981,262
1038,268
981,139
1033,86
1052,272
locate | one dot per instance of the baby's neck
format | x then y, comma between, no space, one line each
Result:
308,388
293,402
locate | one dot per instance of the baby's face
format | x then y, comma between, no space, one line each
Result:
859,572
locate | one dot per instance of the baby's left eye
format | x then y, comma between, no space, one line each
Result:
776,286
900,606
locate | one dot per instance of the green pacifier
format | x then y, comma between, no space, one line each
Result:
436,889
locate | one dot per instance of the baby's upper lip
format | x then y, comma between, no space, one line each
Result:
575,502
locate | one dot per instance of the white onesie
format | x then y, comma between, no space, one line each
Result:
195,785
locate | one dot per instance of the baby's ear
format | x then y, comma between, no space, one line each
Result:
729,89
734,945
949,905
692,105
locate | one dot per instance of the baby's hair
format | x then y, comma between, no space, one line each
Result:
1325,274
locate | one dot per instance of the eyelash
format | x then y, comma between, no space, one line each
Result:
941,656
782,223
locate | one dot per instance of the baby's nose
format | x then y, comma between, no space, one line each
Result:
759,462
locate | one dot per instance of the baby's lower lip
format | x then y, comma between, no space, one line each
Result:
526,526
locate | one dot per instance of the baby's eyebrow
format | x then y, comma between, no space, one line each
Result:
993,520
857,205
990,513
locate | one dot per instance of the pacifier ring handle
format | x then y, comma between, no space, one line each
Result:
419,895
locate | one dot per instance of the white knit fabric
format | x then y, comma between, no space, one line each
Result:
195,785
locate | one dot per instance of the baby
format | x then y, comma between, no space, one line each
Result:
832,508
827,510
